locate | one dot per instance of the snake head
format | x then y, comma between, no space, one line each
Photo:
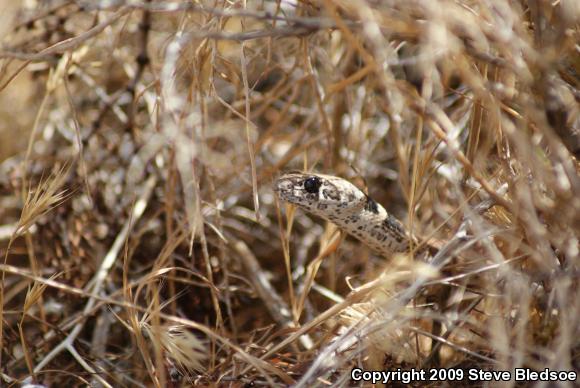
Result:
319,194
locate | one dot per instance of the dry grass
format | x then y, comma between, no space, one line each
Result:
160,257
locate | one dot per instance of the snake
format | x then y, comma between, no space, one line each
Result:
342,203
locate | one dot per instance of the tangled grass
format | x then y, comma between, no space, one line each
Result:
142,242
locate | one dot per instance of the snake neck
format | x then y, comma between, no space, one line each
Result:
375,227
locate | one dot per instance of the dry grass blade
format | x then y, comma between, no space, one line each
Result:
34,294
180,345
43,199
37,203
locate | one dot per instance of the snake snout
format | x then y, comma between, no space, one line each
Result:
282,185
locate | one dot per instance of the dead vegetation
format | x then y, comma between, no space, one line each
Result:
142,242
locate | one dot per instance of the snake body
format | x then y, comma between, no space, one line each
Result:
342,203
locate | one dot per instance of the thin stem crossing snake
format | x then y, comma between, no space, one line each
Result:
342,203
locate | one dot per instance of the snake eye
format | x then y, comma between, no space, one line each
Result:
312,184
